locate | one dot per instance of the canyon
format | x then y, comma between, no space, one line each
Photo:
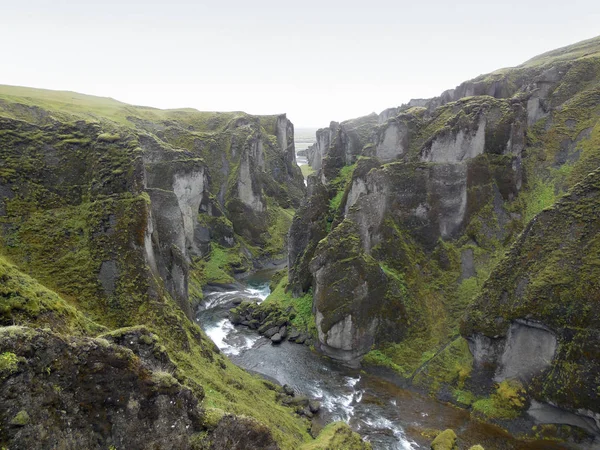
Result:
448,246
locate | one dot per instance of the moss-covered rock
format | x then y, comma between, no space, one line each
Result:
337,435
446,440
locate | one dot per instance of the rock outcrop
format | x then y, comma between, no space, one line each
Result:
80,392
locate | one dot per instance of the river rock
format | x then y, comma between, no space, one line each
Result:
271,332
314,406
283,331
294,334
288,390
276,338
237,301
306,413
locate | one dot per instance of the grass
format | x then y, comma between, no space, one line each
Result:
506,403
280,220
8,363
26,301
337,436
304,319
101,109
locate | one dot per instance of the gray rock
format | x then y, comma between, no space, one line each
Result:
467,264
530,348
314,406
293,335
271,332
288,390
276,338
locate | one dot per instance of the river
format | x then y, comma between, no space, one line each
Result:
383,413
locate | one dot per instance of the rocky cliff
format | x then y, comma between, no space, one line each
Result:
112,219
411,211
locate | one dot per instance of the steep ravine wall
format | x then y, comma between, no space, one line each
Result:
411,210
122,212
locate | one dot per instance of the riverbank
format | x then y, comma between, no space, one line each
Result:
389,414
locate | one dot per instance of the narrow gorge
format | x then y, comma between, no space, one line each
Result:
176,279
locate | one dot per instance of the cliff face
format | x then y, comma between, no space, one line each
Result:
112,218
415,207
536,318
194,181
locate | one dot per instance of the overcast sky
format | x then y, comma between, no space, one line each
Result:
315,60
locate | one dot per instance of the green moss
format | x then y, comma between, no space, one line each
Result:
21,419
280,221
506,403
9,363
539,197
218,267
27,302
404,357
212,417
451,366
446,440
463,398
339,186
337,436
378,358
303,318
108,137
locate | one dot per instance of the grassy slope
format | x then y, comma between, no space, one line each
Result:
65,104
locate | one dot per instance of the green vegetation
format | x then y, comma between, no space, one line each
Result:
303,318
21,419
339,186
446,440
218,267
450,366
25,301
337,436
8,363
280,220
506,403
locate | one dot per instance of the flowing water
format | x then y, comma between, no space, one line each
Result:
388,416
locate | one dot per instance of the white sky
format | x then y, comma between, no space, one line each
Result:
315,60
